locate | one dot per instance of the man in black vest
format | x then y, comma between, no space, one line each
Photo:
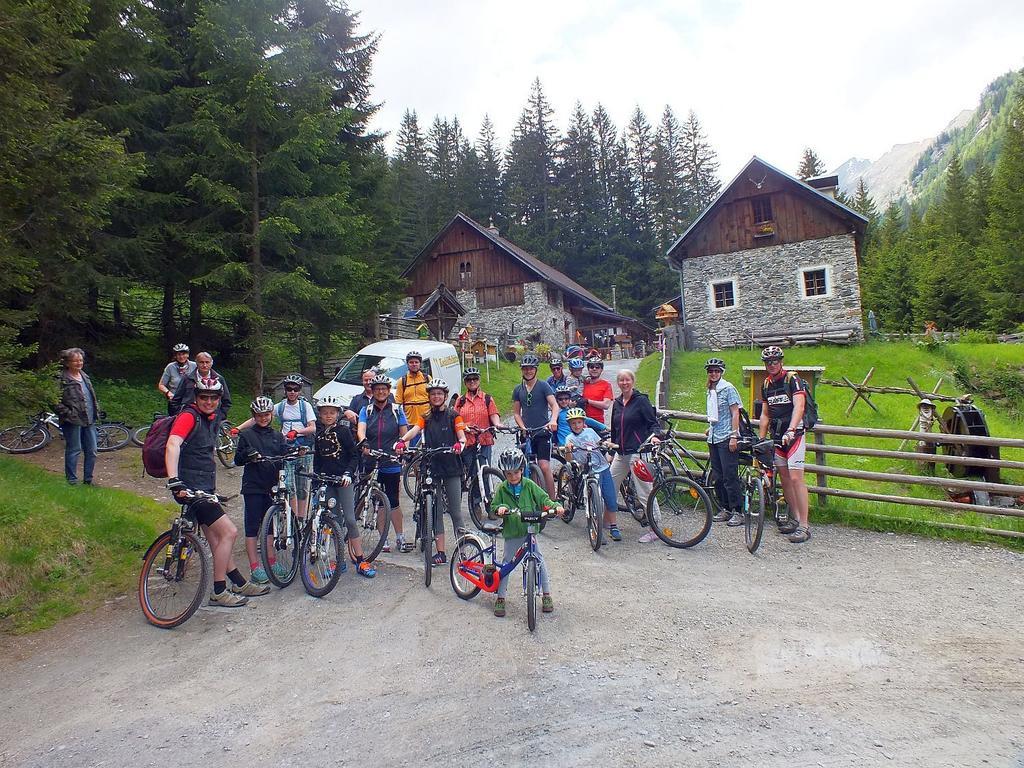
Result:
189,457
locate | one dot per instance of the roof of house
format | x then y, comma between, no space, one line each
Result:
544,271
443,295
816,195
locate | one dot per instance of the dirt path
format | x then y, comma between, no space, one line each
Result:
858,649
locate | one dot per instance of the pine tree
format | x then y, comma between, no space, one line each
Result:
579,200
639,138
410,189
606,140
670,204
445,154
492,201
810,165
699,167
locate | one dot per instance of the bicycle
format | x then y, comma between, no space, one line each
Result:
281,528
425,507
484,477
29,438
473,565
678,509
578,487
321,560
227,443
177,568
372,508
757,480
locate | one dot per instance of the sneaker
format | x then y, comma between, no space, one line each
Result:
648,537
250,589
735,519
365,569
387,546
788,527
547,605
228,599
279,570
341,565
499,607
404,546
259,576
721,516
440,558
615,533
800,535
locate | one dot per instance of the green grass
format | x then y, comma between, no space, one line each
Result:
502,381
647,375
66,548
893,363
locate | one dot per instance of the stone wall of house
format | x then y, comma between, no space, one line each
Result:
535,315
769,291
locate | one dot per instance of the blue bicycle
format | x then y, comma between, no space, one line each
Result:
474,568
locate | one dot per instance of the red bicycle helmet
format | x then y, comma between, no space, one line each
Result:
642,471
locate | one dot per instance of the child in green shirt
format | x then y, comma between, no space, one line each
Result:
520,493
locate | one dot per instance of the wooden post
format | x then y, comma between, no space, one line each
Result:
821,459
859,392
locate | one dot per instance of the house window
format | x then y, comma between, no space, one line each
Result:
723,294
762,209
815,282
465,271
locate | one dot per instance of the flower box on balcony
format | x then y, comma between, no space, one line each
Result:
764,229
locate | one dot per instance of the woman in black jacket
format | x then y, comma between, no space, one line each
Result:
77,410
633,421
261,440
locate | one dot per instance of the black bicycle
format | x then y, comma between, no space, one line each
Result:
678,509
39,432
428,493
177,569
373,510
757,481
579,488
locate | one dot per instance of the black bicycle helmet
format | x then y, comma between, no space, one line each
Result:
715,362
511,460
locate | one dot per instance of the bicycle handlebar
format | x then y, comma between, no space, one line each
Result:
324,478
190,495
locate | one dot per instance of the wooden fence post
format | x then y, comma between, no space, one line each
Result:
821,459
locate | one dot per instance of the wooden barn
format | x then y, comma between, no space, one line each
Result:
508,292
772,259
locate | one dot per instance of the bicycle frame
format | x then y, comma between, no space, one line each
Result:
478,573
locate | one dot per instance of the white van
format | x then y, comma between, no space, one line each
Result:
440,361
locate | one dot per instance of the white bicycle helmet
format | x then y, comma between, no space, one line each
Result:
329,401
261,404
470,372
413,354
380,378
563,390
210,385
179,348
511,460
715,362
293,378
772,353
437,384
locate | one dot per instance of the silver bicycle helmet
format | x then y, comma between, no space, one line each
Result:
261,404
380,378
413,354
293,378
529,361
437,384
772,353
511,460
470,372
329,401
715,362
179,348
564,390
555,360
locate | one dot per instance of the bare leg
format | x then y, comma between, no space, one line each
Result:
549,479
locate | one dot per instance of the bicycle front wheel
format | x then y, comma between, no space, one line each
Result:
466,555
753,513
112,437
27,439
279,546
322,552
427,513
175,579
409,473
226,444
595,515
679,512
531,593
373,517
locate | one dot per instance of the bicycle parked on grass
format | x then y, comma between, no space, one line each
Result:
474,568
372,508
679,510
579,488
177,569
32,437
428,490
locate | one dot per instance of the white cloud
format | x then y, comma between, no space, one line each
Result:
764,77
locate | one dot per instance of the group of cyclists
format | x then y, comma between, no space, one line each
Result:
565,412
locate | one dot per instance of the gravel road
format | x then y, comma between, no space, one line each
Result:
857,649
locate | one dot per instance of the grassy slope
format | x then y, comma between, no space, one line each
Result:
66,548
647,375
893,363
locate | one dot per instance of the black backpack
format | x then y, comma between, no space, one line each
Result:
810,406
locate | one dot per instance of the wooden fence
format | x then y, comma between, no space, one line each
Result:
821,470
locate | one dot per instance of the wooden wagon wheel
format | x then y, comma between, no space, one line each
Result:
963,419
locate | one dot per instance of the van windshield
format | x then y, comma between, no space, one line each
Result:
394,367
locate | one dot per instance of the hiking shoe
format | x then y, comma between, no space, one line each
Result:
648,537
259,576
721,516
280,571
404,546
735,519
228,599
800,535
499,607
789,526
615,533
250,589
365,569
547,605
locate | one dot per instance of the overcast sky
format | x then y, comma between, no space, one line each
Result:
765,78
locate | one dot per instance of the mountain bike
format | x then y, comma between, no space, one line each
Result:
579,488
321,558
32,437
757,480
678,509
373,510
482,479
177,569
280,531
473,566
425,506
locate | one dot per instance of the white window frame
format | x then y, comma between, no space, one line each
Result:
802,284
734,279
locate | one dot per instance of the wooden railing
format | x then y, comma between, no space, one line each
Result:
822,471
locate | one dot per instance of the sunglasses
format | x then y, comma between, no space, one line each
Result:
773,361
208,398
595,367
529,399
472,378
293,389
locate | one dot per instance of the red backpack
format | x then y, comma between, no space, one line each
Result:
154,462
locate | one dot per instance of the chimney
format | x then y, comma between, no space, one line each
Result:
827,185
492,229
